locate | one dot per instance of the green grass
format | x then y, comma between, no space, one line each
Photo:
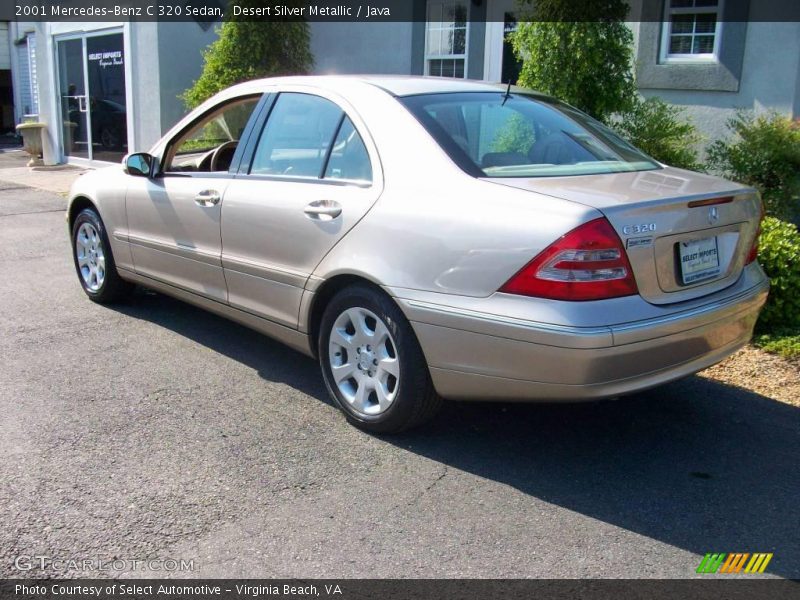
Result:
784,342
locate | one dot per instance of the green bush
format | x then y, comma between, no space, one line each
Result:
784,342
249,50
764,151
660,130
580,51
779,255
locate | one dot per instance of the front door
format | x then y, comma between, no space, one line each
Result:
174,217
309,181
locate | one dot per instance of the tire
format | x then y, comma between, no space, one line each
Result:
383,386
94,262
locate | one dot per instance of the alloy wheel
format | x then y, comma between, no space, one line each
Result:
91,256
364,361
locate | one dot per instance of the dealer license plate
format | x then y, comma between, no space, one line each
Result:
699,259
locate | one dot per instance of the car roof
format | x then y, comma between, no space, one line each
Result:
410,85
351,86
396,85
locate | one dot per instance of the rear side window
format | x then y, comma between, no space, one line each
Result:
297,137
349,158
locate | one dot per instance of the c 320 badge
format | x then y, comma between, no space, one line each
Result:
637,229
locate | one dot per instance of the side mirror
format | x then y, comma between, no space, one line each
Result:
139,164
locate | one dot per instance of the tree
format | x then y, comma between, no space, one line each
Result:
580,51
660,130
249,50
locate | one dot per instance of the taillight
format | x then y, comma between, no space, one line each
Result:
753,254
588,263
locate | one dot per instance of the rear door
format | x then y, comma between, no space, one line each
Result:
310,176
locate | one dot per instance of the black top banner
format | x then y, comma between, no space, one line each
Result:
368,11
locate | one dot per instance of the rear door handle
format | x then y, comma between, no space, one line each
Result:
207,198
323,210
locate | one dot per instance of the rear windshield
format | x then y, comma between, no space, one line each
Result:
490,134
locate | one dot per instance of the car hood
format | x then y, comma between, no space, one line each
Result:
614,189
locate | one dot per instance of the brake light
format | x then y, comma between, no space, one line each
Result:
711,201
753,254
588,263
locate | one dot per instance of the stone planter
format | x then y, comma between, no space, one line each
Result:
32,133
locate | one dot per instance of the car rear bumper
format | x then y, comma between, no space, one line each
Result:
484,356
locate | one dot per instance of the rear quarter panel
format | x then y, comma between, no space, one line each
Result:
455,237
435,228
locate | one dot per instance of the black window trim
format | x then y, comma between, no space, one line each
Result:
441,137
329,151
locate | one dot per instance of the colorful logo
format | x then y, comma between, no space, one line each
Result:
734,563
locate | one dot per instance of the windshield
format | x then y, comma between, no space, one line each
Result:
491,135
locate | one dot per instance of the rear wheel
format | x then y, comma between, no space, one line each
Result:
94,262
372,363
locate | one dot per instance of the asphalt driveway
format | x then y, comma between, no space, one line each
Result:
153,429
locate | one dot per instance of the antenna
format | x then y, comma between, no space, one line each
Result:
507,95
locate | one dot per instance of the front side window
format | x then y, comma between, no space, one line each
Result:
210,143
691,30
446,38
491,135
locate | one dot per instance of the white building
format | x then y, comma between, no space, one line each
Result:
106,88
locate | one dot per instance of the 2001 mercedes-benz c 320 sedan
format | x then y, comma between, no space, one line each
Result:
429,239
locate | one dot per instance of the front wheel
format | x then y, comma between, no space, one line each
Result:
372,363
94,262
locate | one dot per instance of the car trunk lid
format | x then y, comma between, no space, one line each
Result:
686,234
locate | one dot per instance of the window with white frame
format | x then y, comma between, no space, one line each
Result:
446,38
691,30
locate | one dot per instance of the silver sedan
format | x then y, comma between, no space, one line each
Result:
428,238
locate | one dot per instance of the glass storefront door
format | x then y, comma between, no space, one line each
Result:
91,76
74,103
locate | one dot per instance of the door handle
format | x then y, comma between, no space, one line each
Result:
323,210
207,198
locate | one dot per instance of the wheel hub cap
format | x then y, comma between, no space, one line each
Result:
364,362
